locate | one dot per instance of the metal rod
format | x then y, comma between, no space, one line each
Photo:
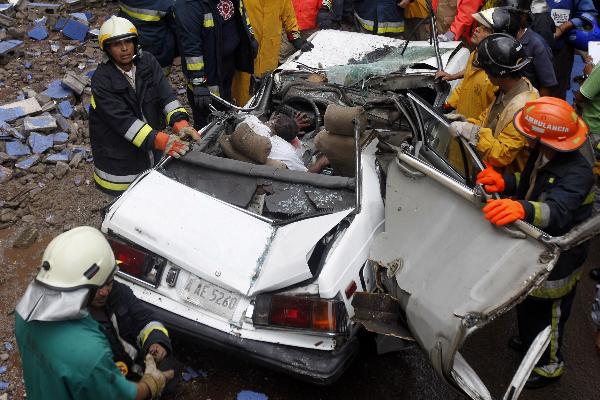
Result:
358,166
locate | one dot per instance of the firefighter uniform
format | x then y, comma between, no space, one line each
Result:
215,40
560,197
379,17
125,121
130,329
155,23
267,19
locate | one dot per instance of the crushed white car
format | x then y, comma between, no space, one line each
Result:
286,267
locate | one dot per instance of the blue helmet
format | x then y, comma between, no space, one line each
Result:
588,31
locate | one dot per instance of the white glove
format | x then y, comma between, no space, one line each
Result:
454,116
446,37
154,378
465,129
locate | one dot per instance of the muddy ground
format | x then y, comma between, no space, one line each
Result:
50,203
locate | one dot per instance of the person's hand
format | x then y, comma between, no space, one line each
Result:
403,3
503,211
155,379
465,129
302,44
171,144
188,132
563,28
157,352
202,98
445,76
324,18
492,180
302,120
589,65
454,116
446,37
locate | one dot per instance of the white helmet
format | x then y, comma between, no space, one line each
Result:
79,258
115,29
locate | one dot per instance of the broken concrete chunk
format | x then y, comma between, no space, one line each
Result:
27,162
63,156
38,33
61,169
40,143
47,8
10,112
57,91
7,130
74,5
76,83
75,30
61,137
5,174
44,123
65,108
26,238
17,149
77,158
80,17
6,21
54,47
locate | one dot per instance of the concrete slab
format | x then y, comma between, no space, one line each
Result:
40,143
28,162
38,33
75,30
42,123
65,108
17,149
64,156
10,112
57,91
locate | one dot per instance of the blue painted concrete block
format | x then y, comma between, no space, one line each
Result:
28,162
38,33
57,91
17,149
64,156
65,108
61,137
75,30
40,143
8,45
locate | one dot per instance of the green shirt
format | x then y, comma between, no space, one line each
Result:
591,109
69,360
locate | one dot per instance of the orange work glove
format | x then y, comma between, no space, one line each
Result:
184,130
170,144
492,180
503,211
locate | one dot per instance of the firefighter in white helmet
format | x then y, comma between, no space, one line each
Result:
64,354
132,103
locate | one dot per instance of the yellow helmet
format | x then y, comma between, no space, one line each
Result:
78,258
115,29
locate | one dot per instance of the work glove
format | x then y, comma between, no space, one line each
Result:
454,116
492,180
154,378
302,44
446,37
202,97
185,131
503,211
324,18
465,129
171,144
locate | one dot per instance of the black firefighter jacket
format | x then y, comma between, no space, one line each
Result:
124,122
130,328
200,36
562,197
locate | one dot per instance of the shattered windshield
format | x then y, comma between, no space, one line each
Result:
381,61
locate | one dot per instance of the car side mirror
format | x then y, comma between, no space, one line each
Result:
579,234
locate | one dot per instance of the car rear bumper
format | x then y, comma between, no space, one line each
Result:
315,366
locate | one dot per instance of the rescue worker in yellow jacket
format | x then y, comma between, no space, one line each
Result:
267,18
493,133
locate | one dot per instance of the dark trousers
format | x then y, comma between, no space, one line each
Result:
563,64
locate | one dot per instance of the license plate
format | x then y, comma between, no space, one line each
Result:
211,297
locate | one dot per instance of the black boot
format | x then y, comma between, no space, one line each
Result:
537,381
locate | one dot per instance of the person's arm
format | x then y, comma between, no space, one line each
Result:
544,70
116,112
464,16
561,200
502,150
288,17
189,22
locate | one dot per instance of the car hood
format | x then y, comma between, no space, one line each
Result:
213,239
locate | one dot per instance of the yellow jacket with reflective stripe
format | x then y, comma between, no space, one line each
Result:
474,93
267,18
505,147
416,9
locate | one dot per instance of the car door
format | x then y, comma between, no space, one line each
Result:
450,270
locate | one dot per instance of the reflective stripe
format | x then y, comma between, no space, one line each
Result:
93,102
147,330
382,27
517,178
142,135
142,13
194,63
552,370
134,129
589,199
115,187
114,178
541,216
556,289
170,114
171,106
215,90
209,22
554,335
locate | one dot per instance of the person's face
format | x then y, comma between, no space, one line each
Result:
494,79
102,294
122,52
481,32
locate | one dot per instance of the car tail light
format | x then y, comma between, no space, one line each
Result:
138,263
310,313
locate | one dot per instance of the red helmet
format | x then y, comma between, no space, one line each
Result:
554,122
